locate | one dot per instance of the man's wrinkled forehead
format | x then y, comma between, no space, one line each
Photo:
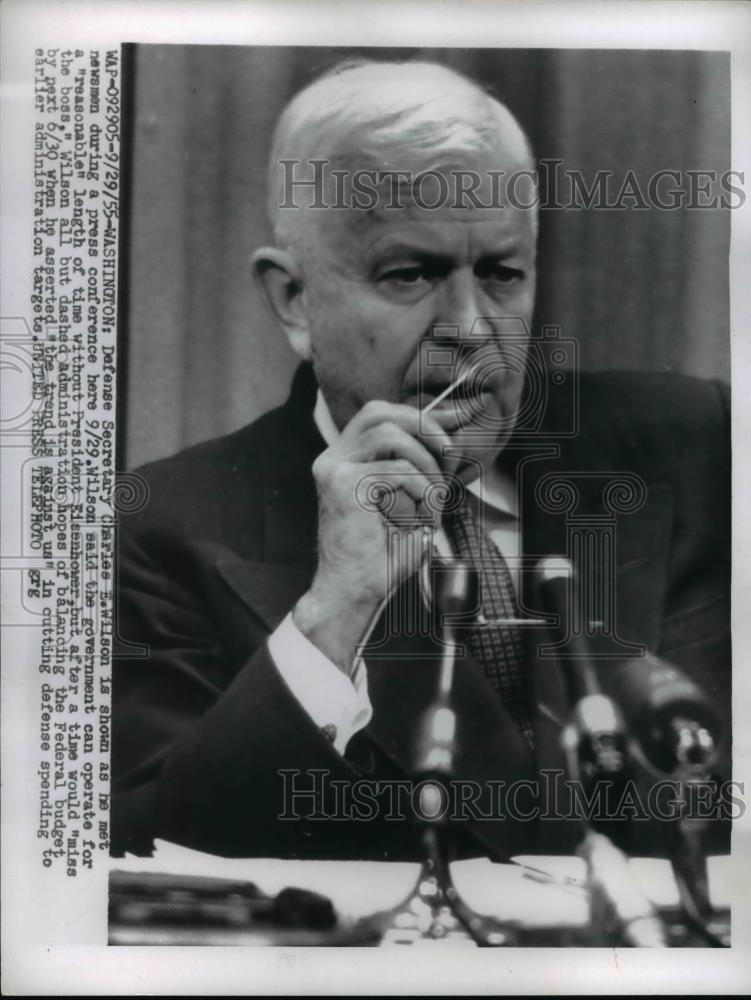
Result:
412,216
362,203
455,191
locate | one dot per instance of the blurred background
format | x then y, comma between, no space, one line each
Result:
639,289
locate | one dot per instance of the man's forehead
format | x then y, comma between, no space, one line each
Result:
412,228
484,179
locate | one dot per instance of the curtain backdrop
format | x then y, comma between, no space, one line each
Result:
644,289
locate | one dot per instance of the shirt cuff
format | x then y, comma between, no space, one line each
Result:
337,705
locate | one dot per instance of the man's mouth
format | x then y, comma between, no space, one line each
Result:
462,391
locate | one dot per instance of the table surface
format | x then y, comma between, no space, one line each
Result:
536,891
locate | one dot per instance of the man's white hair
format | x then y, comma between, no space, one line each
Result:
391,116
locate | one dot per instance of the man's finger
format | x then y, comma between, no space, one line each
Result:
380,484
427,428
388,441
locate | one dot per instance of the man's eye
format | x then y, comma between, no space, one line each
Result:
405,275
499,273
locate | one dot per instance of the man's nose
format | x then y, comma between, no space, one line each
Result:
457,307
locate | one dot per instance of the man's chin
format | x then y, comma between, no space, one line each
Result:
476,450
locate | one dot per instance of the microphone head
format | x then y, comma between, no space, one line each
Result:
552,568
456,588
554,578
673,719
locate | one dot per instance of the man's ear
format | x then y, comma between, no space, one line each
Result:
280,282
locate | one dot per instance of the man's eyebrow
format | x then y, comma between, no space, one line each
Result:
420,251
502,253
401,248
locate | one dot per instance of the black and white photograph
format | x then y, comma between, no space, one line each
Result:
386,423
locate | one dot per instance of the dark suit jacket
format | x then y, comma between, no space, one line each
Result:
225,545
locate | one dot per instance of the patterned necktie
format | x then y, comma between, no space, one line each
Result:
497,647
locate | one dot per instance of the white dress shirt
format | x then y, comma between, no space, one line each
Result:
338,704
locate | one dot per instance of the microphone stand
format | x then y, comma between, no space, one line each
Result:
678,735
694,749
434,910
619,913
595,745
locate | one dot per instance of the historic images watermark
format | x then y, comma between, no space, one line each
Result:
314,795
320,184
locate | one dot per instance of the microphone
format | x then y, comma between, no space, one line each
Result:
455,592
596,734
434,909
595,742
679,731
674,721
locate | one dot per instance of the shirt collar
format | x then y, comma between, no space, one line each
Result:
495,489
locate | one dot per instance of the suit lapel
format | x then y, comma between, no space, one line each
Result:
270,586
269,591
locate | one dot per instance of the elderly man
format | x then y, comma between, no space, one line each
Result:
277,646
